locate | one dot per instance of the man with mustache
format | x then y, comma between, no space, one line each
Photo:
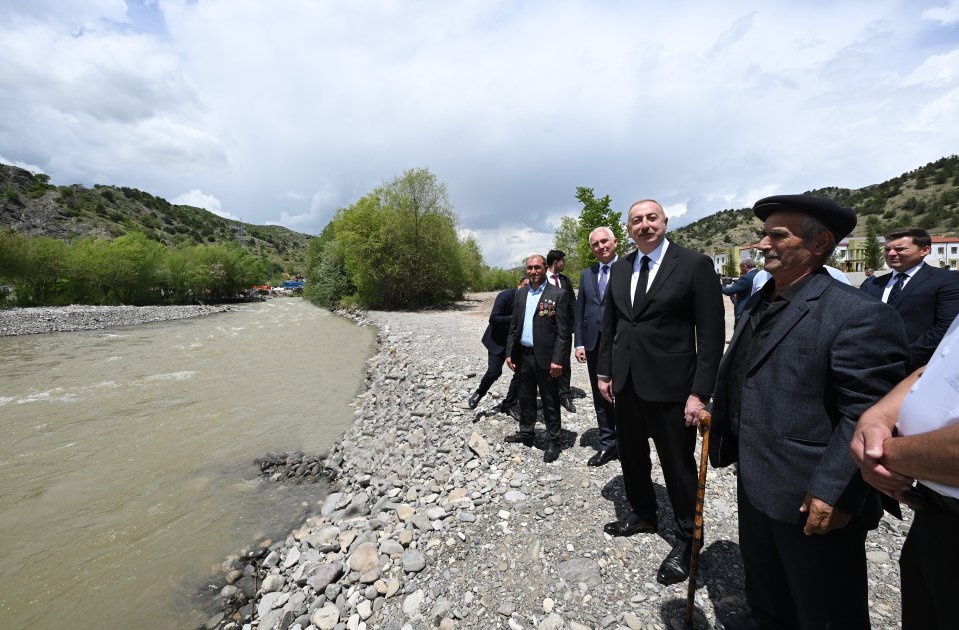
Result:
809,356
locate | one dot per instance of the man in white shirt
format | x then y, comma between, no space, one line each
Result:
925,409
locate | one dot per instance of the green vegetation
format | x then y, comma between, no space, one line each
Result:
572,235
32,206
927,197
131,269
873,257
397,248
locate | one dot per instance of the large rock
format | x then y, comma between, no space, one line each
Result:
324,574
413,561
579,570
325,618
479,445
365,558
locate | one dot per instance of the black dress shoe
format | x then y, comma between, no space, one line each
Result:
551,454
514,412
519,438
498,407
601,458
675,568
567,404
474,400
633,524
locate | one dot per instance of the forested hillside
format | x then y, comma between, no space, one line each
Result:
927,197
31,206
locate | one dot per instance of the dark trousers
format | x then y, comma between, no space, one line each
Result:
927,568
638,420
801,582
564,379
531,377
494,369
605,412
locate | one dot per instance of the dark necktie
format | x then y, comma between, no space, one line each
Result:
896,288
643,278
603,280
556,280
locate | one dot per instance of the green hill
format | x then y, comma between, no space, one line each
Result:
927,197
31,206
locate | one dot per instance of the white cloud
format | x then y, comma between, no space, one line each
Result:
702,106
945,15
199,199
33,168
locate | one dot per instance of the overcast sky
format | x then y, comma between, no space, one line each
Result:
282,111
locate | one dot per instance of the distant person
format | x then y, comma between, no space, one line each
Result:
810,357
926,297
587,329
740,290
495,339
555,264
761,277
661,341
923,411
539,338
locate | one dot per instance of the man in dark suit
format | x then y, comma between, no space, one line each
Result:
495,341
555,264
740,290
808,357
661,341
926,297
587,330
539,338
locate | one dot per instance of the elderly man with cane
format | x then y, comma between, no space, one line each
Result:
808,357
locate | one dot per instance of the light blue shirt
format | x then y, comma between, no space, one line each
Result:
532,301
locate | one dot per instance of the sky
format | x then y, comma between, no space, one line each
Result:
281,112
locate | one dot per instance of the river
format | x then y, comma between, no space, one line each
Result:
126,456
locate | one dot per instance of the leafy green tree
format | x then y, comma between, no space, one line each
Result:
872,252
566,239
597,213
471,260
731,267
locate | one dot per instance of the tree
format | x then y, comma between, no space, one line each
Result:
872,252
731,267
597,213
395,248
566,239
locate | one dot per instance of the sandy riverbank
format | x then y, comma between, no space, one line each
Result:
435,522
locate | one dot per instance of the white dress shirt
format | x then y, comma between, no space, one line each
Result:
907,275
655,259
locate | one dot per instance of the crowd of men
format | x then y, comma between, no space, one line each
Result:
810,401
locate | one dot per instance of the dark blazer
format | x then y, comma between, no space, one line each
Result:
671,340
551,327
588,314
832,353
497,331
742,289
928,304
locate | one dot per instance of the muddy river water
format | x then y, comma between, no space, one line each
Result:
126,456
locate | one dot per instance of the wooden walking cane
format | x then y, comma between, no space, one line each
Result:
704,420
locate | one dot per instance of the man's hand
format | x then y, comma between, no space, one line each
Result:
509,363
821,517
866,450
606,389
580,354
693,406
555,369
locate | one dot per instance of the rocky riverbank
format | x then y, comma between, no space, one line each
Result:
435,522
30,321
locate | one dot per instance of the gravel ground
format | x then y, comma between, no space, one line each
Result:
29,321
435,522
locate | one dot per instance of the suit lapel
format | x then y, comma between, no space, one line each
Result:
620,283
594,283
797,309
667,265
923,274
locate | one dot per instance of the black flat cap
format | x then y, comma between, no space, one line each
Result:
838,219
